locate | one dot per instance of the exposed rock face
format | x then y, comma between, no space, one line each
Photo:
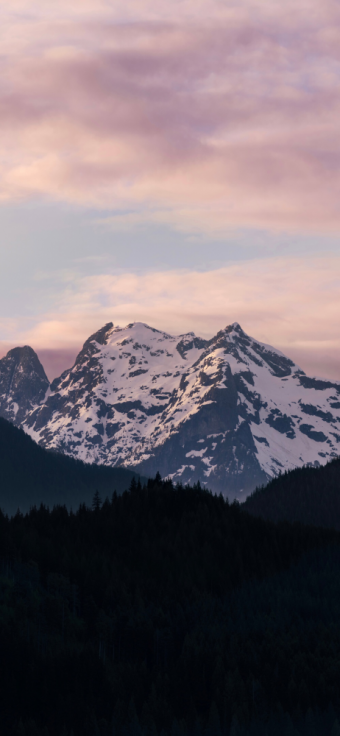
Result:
23,384
230,411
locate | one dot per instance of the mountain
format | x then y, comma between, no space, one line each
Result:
231,412
31,475
23,383
305,495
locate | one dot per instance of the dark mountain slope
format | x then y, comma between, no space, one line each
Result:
307,495
23,383
30,475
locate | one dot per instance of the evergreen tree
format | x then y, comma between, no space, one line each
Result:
97,502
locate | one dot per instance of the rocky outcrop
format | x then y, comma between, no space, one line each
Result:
23,384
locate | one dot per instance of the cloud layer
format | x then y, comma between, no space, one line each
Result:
290,304
207,115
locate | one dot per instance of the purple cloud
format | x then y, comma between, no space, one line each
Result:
227,117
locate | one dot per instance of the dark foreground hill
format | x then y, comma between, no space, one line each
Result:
167,612
307,495
31,475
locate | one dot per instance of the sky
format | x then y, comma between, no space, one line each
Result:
175,163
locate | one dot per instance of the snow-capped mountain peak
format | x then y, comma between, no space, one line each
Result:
230,411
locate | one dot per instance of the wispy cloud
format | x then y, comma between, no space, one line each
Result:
290,304
206,115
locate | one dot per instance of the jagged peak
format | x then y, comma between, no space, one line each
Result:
138,327
21,355
187,337
234,327
22,351
101,335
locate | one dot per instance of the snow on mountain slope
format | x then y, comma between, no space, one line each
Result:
113,397
230,411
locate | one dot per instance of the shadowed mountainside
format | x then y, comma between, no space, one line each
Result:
306,495
30,475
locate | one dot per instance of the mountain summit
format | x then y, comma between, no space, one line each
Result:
231,412
23,383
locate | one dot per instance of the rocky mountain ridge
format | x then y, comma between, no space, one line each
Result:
23,384
230,411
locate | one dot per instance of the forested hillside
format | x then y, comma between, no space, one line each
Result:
167,612
308,495
32,475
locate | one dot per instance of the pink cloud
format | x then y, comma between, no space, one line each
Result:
210,116
291,304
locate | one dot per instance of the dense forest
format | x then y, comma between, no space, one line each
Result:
167,611
307,495
30,475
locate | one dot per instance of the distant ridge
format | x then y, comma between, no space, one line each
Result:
305,495
31,475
